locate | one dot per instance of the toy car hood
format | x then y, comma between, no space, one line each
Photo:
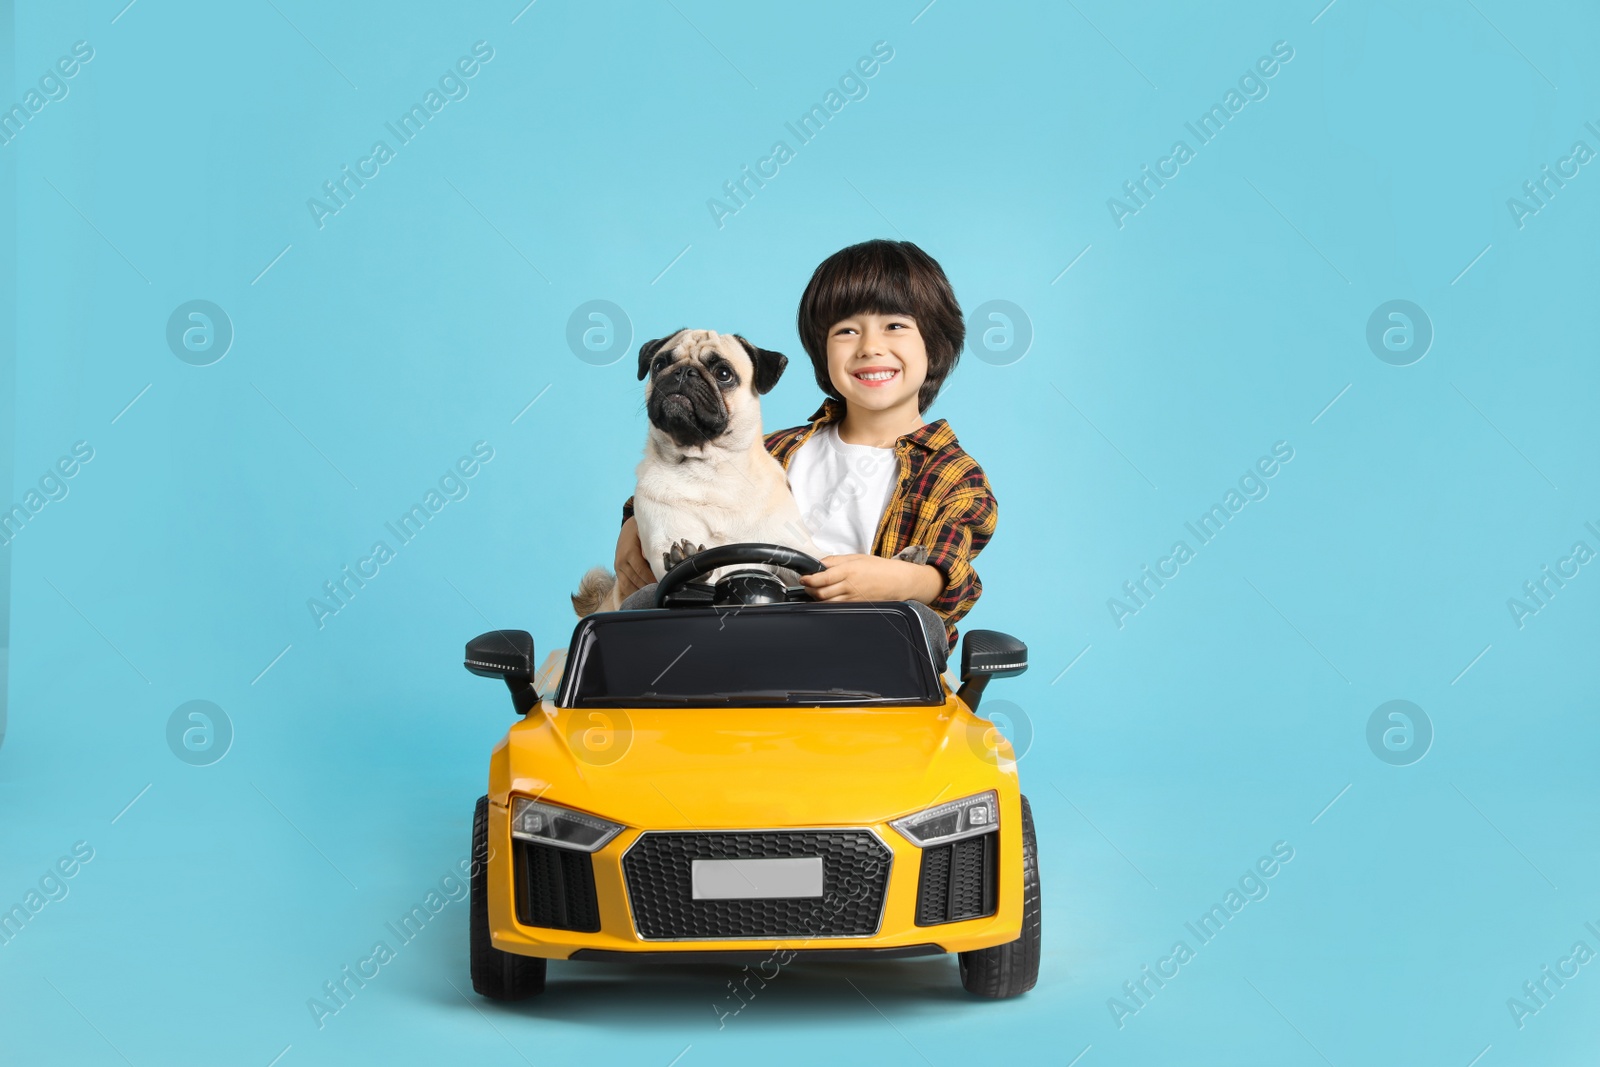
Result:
697,768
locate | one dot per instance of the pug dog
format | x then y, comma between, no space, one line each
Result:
706,478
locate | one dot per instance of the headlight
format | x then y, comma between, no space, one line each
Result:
562,827
967,817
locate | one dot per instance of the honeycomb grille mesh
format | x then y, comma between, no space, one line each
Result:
855,876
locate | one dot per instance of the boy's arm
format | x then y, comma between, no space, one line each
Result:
965,523
631,568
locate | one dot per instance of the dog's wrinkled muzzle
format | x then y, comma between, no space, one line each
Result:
687,407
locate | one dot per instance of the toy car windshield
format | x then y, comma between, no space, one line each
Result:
762,655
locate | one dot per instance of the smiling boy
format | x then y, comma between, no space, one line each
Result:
883,329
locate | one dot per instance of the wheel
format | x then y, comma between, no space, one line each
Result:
495,974
726,555
1011,969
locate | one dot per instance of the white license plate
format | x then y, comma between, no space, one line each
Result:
800,876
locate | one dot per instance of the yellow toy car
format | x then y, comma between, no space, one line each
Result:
744,774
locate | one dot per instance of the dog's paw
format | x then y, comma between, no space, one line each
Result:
675,553
681,550
912,554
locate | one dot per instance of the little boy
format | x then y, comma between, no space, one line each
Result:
883,330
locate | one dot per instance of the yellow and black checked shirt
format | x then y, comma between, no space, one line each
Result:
941,501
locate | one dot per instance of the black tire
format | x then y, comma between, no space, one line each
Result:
496,974
1011,969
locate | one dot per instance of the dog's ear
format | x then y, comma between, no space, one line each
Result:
769,365
648,350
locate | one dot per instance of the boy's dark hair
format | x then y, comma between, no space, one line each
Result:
884,278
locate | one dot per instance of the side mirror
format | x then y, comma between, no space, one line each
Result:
988,654
506,654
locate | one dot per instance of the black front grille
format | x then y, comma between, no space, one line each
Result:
555,887
855,875
959,881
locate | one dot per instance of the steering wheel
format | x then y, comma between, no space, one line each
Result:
727,555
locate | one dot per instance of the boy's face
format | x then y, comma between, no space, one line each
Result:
888,350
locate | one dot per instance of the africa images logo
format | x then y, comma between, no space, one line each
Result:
453,485
1251,887
1206,128
1252,486
452,86
852,86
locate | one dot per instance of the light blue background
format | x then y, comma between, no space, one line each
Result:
425,316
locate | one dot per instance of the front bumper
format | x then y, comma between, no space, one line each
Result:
894,931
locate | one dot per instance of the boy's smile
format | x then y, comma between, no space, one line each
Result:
875,376
878,364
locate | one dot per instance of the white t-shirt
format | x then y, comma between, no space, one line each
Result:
842,490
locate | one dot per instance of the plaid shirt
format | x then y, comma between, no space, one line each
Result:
941,501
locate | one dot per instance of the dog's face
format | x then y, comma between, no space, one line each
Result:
702,387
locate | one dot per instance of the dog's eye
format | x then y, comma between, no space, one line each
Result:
661,361
723,373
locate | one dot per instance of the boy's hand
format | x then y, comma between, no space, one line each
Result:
633,571
862,577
